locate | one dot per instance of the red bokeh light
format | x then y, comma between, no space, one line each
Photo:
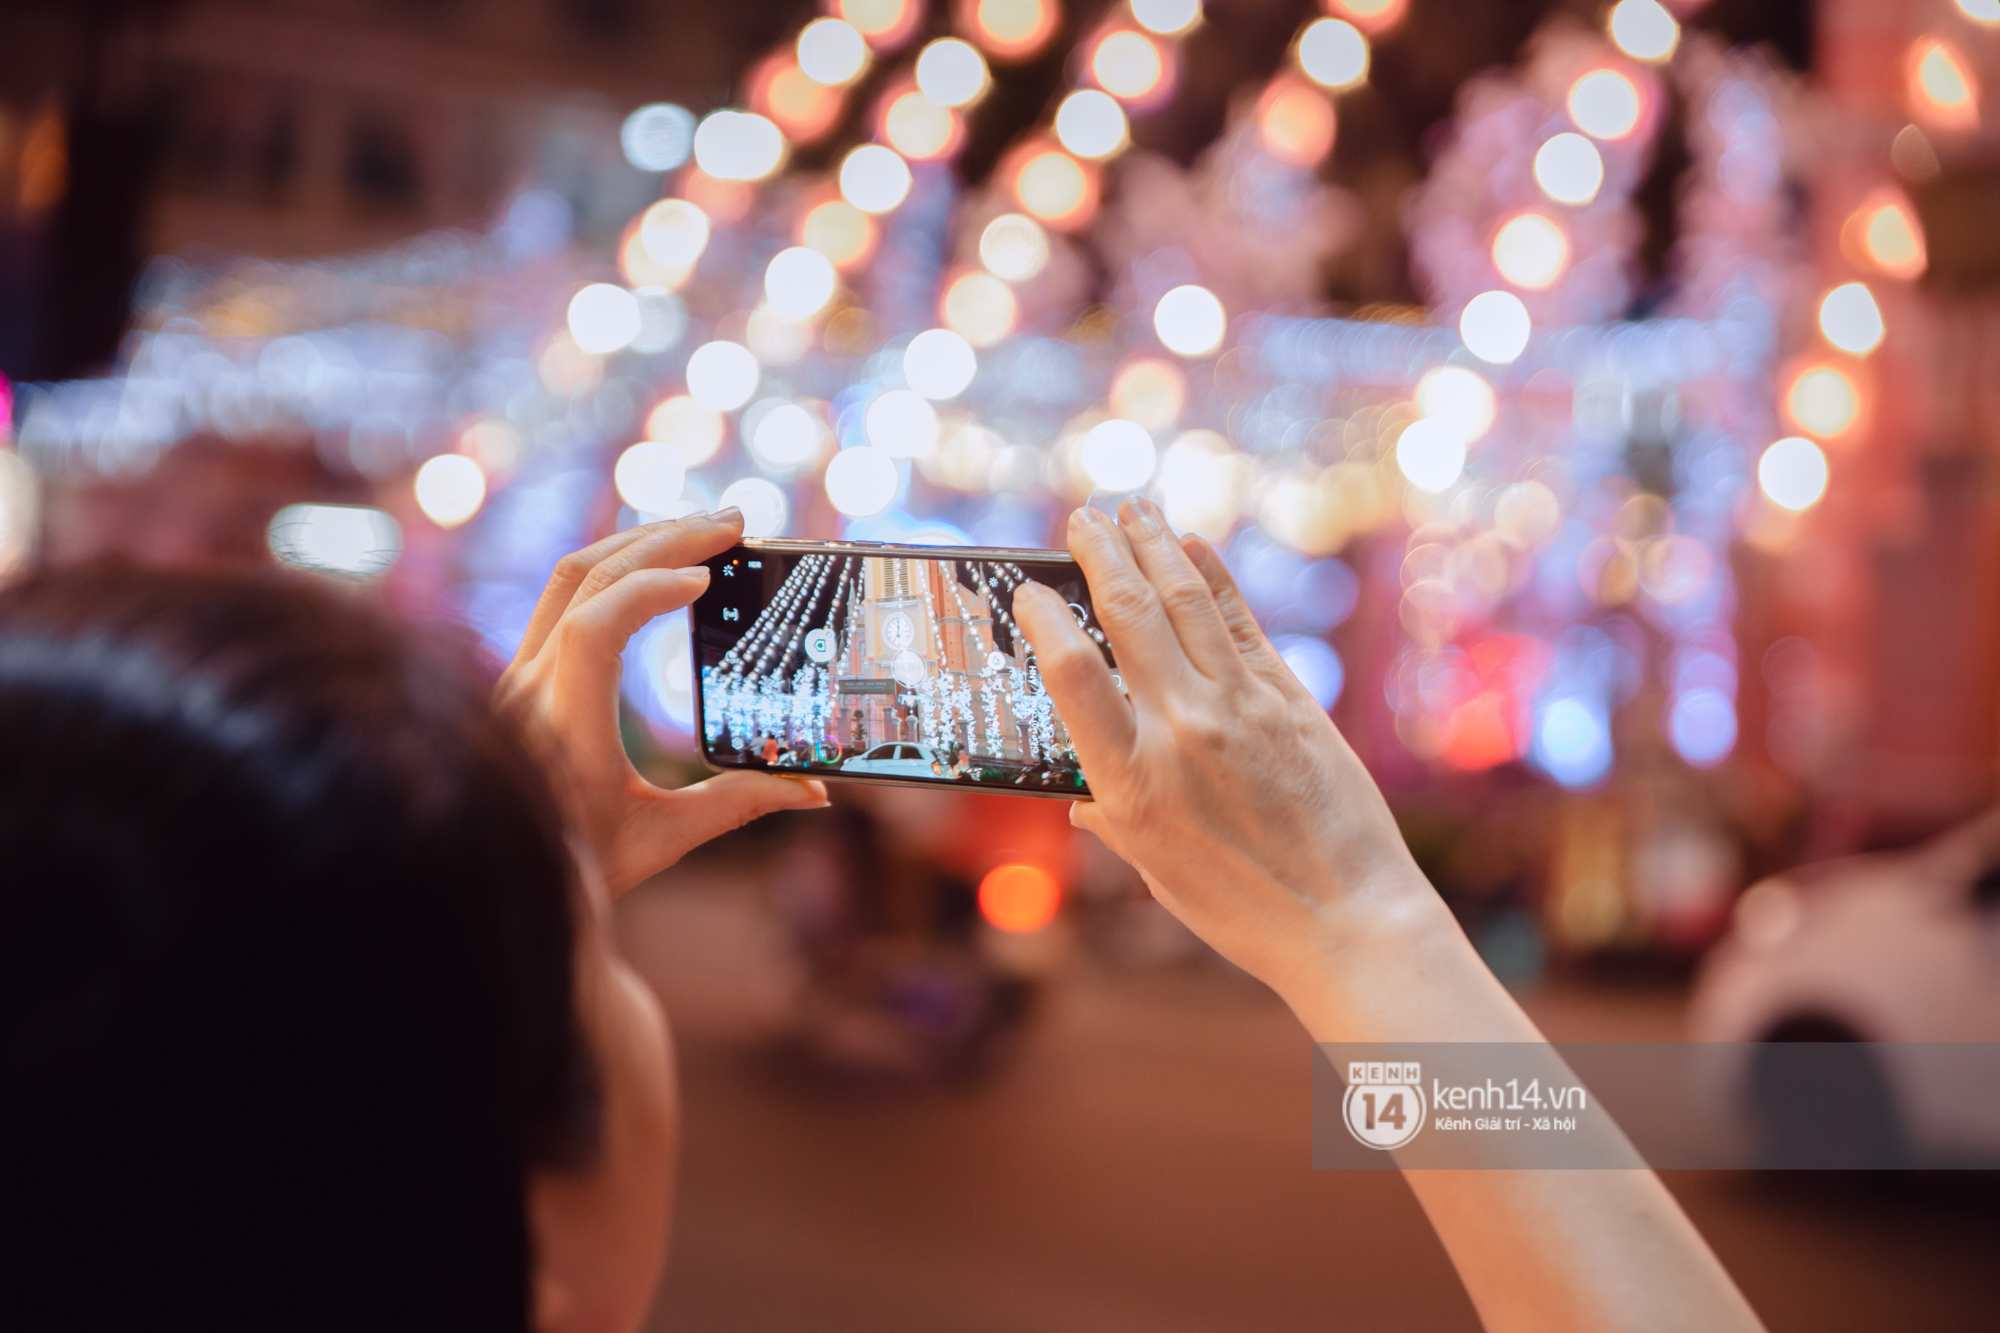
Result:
1019,898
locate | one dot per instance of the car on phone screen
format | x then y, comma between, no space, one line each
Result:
1900,949
900,759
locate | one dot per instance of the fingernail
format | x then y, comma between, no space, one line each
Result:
725,515
1084,517
699,572
1140,516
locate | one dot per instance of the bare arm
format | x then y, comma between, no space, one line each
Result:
1252,821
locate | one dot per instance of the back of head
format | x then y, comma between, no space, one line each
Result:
286,998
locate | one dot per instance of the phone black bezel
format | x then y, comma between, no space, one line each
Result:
798,546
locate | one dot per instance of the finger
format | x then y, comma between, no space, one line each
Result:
1150,655
675,544
1244,630
1090,817
1073,672
569,574
731,800
1183,592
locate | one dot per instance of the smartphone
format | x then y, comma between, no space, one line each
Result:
883,663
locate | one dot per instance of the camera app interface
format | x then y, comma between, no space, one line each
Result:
883,666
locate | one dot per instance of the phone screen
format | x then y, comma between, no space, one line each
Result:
895,667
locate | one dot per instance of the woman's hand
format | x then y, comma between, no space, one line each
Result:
563,685
1223,781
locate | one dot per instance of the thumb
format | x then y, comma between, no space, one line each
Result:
731,800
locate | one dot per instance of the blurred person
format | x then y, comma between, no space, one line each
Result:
308,1012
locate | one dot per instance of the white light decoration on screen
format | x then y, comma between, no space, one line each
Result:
952,73
1190,321
603,318
1644,30
1091,124
874,179
721,376
450,488
939,364
832,52
1333,53
738,146
799,282
1569,169
336,539
1851,320
1793,473
650,477
1495,327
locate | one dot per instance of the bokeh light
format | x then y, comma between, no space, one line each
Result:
874,179
951,72
650,476
1190,321
831,51
721,376
939,364
887,24
1793,473
603,318
840,231
1885,235
1531,251
449,489
765,509
658,136
1149,391
354,540
1980,11
692,431
674,232
1851,320
1430,454
1371,16
1316,665
1333,53
799,282
1010,29
1118,455
1604,104
786,438
803,108
1569,169
1091,124
738,146
1019,898
979,308
1014,247
1459,397
1295,122
1644,30
1943,90
919,128
1822,401
1052,186
1169,18
902,424
1129,65
862,481
1573,742
1495,327
1701,726
1198,482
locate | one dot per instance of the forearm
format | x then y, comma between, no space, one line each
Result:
1537,1250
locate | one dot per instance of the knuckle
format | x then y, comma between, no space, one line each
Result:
575,566
1126,598
1185,596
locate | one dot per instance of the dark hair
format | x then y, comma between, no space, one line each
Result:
286,977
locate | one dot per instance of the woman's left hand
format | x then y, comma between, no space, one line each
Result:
563,686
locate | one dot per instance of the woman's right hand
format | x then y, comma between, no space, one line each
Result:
1223,781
